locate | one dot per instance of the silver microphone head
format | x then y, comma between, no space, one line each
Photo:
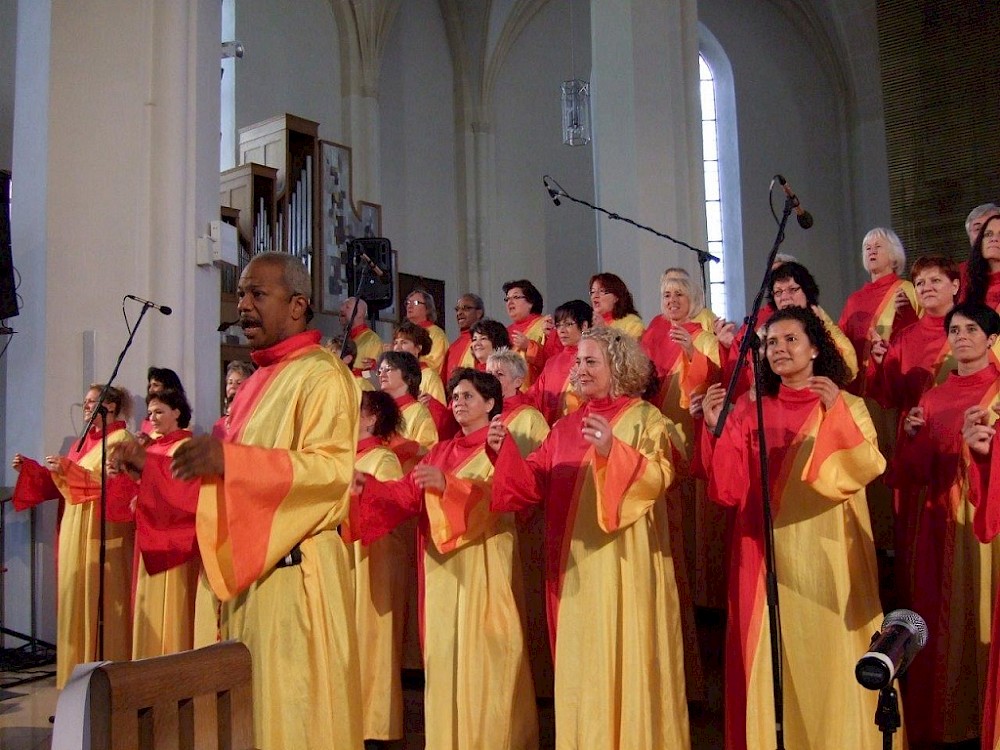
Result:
911,621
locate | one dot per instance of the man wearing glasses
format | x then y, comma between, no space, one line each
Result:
468,310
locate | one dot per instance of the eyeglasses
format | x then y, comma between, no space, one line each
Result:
786,292
465,308
414,302
598,292
563,325
386,369
511,297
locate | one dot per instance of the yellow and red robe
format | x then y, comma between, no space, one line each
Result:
459,355
78,484
984,494
166,562
430,383
478,683
434,359
631,324
380,580
552,392
267,533
820,461
528,428
698,530
368,343
873,306
952,577
613,614
533,326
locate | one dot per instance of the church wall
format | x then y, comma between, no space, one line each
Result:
291,63
418,152
792,120
555,247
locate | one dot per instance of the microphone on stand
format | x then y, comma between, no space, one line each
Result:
902,635
553,193
375,267
804,218
146,303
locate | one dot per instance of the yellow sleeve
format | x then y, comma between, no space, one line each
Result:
844,345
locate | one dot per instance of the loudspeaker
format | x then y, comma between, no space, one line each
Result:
376,288
8,296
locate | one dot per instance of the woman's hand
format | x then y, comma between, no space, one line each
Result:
597,431
711,404
976,431
519,341
826,389
358,483
725,332
496,434
54,464
429,477
682,337
902,301
127,457
17,462
915,419
879,346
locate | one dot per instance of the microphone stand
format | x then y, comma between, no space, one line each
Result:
103,412
703,256
750,344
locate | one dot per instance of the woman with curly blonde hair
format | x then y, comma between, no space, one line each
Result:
613,613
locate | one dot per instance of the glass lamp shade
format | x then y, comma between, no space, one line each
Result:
576,112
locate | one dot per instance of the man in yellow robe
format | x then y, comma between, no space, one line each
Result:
271,498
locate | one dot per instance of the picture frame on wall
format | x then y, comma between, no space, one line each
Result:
342,219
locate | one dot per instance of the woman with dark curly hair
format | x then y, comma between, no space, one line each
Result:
478,691
982,274
613,611
948,572
613,304
166,553
487,336
822,452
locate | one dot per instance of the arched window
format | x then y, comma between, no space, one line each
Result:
727,296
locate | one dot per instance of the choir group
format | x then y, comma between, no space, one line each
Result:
555,488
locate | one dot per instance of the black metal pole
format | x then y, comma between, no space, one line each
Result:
703,257
747,345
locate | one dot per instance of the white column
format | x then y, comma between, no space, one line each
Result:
647,137
116,148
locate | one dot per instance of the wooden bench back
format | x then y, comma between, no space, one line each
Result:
199,699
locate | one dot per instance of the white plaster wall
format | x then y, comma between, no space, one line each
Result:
555,247
291,63
418,149
791,121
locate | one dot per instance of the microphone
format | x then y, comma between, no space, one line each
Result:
375,267
146,303
553,193
902,635
804,218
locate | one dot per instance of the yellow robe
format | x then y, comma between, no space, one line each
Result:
369,346
430,383
631,324
434,359
289,460
612,597
78,570
380,577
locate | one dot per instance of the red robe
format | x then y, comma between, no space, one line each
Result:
951,579
874,306
552,393
820,461
985,495
728,354
459,354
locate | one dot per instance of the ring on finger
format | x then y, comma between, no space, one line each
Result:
598,434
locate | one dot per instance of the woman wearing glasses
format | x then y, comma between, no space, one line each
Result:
613,305
420,309
528,329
